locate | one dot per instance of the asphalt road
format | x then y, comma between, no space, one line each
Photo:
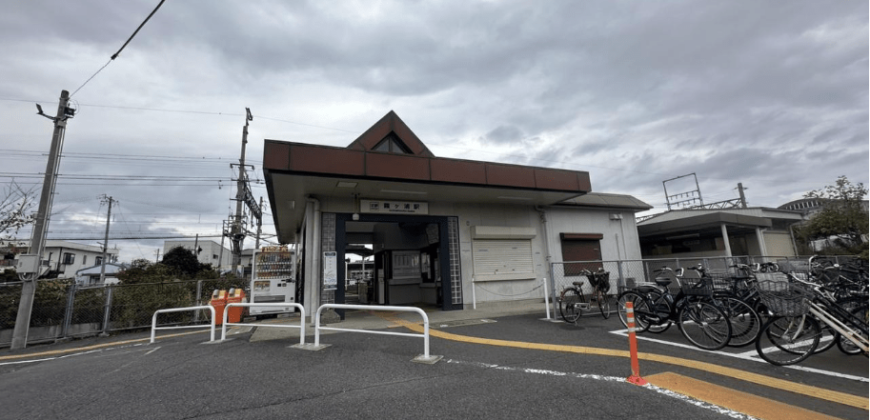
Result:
372,376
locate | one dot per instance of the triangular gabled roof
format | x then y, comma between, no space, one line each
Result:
390,124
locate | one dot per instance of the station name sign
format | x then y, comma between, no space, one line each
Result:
393,207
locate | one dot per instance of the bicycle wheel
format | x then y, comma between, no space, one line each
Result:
788,340
844,344
641,324
569,305
606,304
662,308
704,325
745,322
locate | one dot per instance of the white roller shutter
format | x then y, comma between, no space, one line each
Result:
502,259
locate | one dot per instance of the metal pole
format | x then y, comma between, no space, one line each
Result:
70,304
40,227
108,311
106,242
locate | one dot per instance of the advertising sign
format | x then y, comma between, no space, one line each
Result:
330,270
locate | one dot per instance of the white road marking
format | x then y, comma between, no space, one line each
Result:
27,361
651,387
748,355
152,350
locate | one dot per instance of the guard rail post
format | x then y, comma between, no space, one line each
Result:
154,327
301,325
425,358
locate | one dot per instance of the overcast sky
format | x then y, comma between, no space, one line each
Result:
772,94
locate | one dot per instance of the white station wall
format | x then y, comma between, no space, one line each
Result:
620,240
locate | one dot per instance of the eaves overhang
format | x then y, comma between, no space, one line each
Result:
701,221
295,171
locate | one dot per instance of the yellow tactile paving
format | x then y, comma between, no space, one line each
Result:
825,394
755,406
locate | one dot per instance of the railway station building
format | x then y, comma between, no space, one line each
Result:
442,232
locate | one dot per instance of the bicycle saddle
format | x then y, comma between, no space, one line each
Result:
663,281
577,283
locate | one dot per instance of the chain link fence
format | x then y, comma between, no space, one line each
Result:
62,309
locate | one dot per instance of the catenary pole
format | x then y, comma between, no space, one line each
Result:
40,226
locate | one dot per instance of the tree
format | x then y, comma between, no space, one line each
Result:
182,261
843,219
15,205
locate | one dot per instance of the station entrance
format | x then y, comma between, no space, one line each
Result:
413,260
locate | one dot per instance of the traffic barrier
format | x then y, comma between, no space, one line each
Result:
301,325
635,377
154,326
424,358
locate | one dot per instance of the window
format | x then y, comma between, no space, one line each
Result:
581,247
84,260
69,258
392,144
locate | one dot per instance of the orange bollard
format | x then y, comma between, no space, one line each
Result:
632,346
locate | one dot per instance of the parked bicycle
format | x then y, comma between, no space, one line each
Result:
572,301
801,308
700,319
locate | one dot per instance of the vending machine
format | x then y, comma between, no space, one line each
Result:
273,279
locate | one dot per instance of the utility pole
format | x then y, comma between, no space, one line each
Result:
196,247
223,235
106,241
30,269
238,235
259,226
157,255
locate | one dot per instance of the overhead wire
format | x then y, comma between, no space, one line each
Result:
115,55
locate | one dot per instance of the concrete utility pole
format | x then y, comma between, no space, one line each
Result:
106,240
238,234
30,271
259,227
223,235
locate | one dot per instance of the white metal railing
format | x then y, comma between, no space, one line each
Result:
154,326
546,295
425,358
301,325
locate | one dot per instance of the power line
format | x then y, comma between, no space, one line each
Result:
115,55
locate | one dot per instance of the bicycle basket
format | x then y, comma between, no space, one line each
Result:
771,277
783,298
600,280
696,286
722,284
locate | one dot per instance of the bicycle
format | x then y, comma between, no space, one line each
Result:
795,332
698,317
572,301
